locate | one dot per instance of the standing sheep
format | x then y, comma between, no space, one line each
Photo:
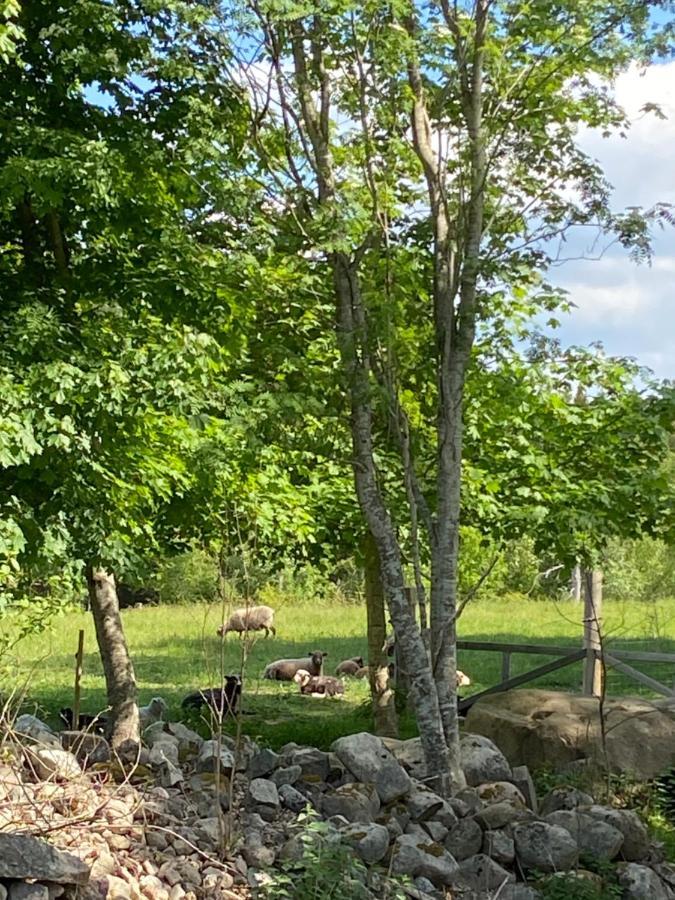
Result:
285,669
250,618
350,666
318,685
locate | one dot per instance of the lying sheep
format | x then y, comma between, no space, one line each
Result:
350,666
285,669
96,724
250,618
318,685
222,700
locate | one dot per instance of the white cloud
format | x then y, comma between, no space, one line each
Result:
631,308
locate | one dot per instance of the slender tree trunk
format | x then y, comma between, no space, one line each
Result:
384,709
117,666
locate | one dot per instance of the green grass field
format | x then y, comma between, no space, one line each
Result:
175,650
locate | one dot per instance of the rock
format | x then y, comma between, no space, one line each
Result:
188,740
356,802
264,792
292,799
635,836
666,872
208,828
32,727
520,776
170,775
446,815
50,762
564,797
594,837
263,763
3,892
22,856
465,839
520,892
496,791
480,873
286,775
499,846
545,847
163,751
423,805
22,891
368,760
641,883
207,761
436,830
413,856
425,886
468,796
409,754
89,748
314,764
533,725
497,815
255,852
481,760
370,841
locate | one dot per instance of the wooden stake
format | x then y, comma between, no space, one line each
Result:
78,675
592,685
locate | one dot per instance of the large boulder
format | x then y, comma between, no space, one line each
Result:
544,847
23,856
368,760
412,855
536,727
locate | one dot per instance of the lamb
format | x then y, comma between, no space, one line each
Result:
222,700
250,618
155,711
285,669
318,685
350,666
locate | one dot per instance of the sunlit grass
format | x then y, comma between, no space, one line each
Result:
175,650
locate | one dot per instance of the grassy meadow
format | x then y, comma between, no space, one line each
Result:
175,650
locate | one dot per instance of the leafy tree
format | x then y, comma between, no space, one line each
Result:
422,157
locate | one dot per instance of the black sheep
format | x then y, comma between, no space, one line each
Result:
85,722
222,700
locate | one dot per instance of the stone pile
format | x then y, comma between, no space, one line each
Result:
191,803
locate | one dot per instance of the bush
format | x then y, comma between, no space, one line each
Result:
190,577
639,570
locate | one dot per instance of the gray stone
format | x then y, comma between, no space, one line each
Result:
641,883
263,763
417,830
207,761
23,856
505,813
481,760
368,760
520,892
459,807
286,775
314,764
292,799
446,815
635,836
480,873
564,797
545,847
50,762
522,779
188,740
423,805
496,791
263,792
370,841
255,852
594,837
469,797
436,830
3,892
666,872
413,856
409,754
465,839
424,885
163,751
22,891
356,802
158,731
87,747
32,727
170,775
499,846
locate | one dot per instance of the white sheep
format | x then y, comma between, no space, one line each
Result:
318,685
250,618
285,669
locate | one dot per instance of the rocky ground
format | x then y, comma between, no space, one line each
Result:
193,819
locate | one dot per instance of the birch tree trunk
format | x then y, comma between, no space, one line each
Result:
384,708
117,666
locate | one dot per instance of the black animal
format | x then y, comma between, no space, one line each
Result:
85,722
222,700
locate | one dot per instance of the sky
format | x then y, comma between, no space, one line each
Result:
630,308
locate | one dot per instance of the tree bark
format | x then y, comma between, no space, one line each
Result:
384,708
117,666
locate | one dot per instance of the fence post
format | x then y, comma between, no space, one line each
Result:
592,683
506,666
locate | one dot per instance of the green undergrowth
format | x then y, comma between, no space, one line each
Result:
176,650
